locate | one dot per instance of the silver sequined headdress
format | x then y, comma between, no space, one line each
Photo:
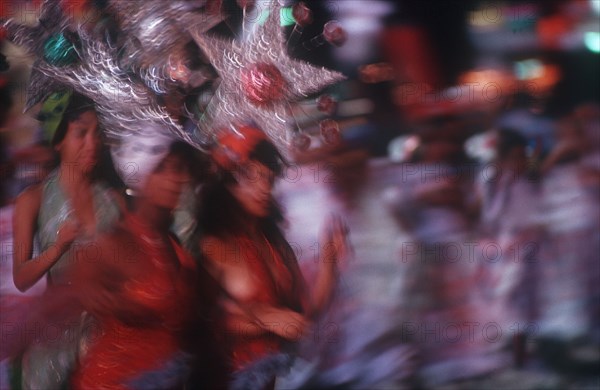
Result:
259,80
154,39
135,123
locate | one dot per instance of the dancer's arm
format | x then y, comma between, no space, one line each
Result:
27,270
333,248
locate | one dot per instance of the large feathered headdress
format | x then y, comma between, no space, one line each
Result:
138,128
155,40
259,80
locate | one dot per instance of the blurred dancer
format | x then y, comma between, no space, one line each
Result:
266,301
69,207
510,220
139,285
440,279
587,116
571,211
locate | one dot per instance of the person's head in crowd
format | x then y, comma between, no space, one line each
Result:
511,149
76,138
442,137
71,128
163,185
434,151
154,166
247,165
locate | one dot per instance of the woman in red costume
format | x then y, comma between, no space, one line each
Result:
139,284
266,302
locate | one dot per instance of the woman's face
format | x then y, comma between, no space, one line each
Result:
164,186
253,188
81,145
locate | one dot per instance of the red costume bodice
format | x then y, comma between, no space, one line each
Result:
121,352
274,283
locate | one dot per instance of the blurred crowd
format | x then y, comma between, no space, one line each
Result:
510,240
